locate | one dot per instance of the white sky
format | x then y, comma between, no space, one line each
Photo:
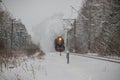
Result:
32,12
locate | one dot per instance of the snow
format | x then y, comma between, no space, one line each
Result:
96,56
81,68
54,67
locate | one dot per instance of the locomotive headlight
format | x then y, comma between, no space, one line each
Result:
60,39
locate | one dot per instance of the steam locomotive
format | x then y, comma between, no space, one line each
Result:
59,44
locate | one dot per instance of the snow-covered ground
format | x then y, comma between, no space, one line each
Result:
80,68
54,67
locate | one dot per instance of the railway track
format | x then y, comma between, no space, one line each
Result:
101,58
104,59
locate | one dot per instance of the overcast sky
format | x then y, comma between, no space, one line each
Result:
32,12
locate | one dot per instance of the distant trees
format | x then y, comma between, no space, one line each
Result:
13,33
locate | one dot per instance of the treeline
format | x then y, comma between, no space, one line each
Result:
13,34
97,28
